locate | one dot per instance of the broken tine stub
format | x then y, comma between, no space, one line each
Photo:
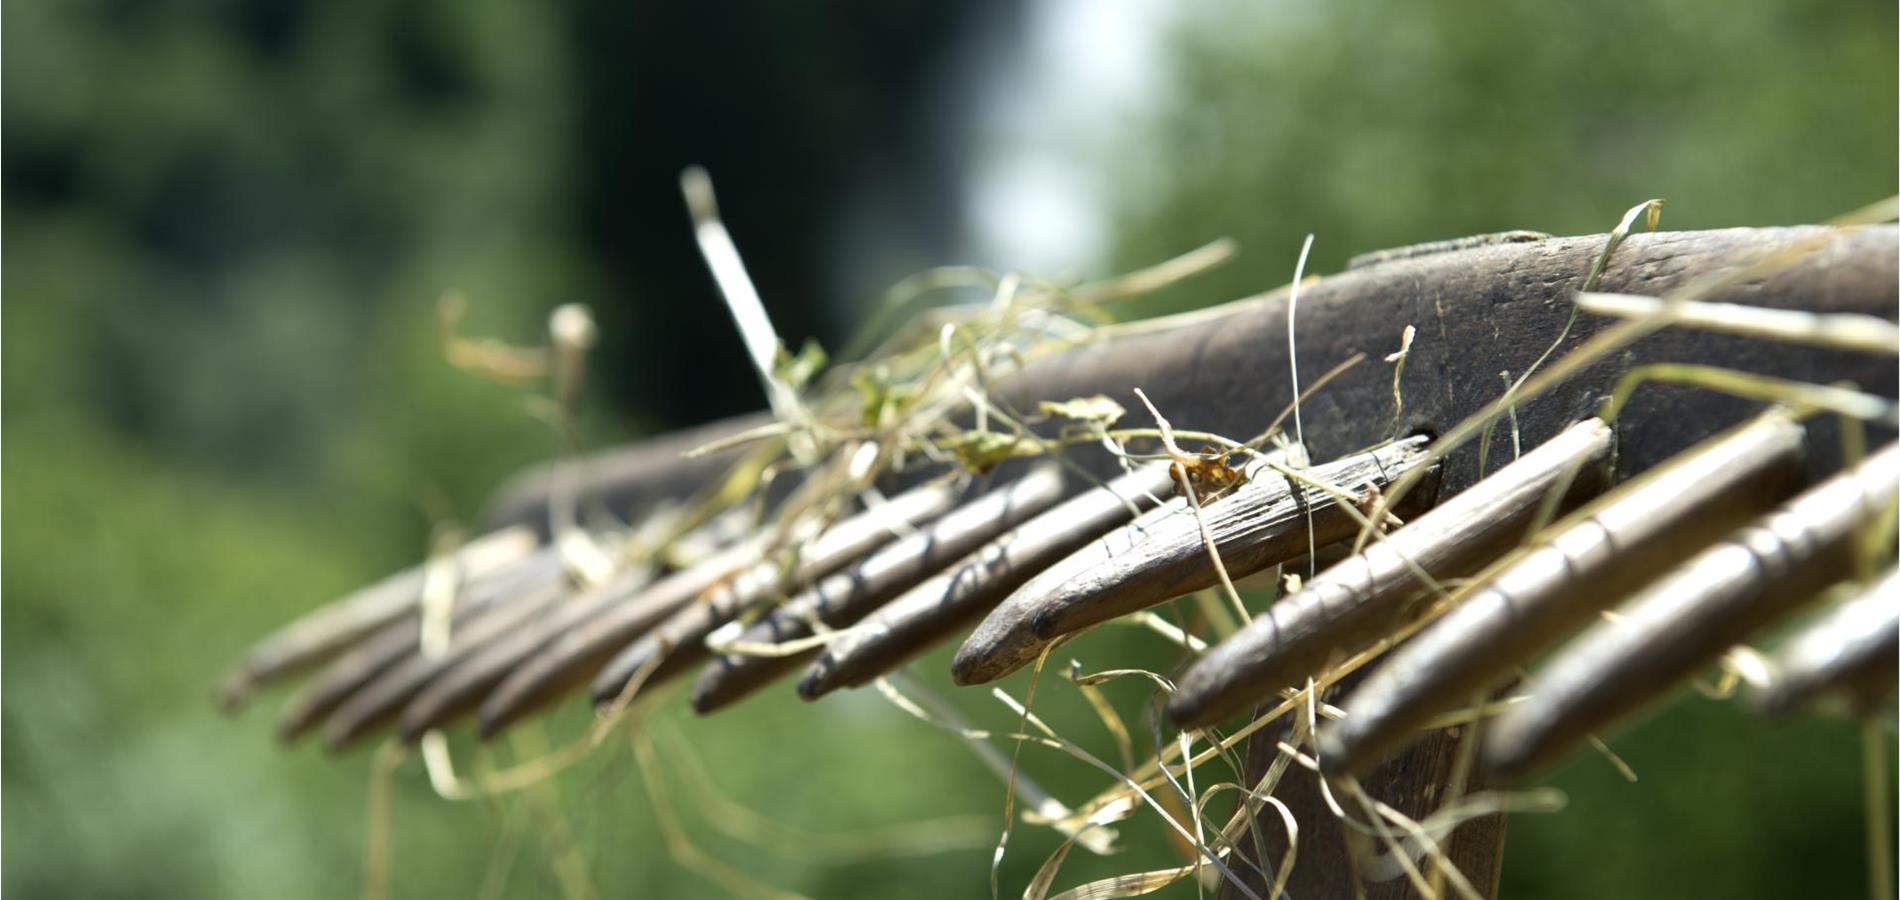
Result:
1162,554
323,633
1689,618
1581,565
1352,604
385,648
949,600
849,595
1849,658
681,638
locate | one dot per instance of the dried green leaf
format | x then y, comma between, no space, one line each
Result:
798,371
882,400
1096,409
982,451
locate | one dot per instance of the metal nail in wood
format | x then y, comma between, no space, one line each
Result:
1582,565
932,611
1689,618
320,635
383,649
680,639
850,595
1351,605
1162,554
1849,659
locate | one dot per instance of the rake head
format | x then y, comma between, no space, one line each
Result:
1479,523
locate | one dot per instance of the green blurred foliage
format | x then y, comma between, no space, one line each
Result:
1381,123
223,399
224,403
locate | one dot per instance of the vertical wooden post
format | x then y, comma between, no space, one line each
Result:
1413,781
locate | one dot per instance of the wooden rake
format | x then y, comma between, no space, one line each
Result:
1634,503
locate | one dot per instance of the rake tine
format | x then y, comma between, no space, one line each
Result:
604,619
844,598
1848,658
1003,641
1349,606
384,649
378,703
323,633
460,689
680,639
947,601
1162,554
1689,618
1582,565
467,675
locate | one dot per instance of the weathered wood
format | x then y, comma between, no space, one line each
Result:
1690,617
1350,605
618,611
679,641
1451,245
1334,864
378,702
1580,566
581,629
1355,602
934,610
1849,658
1478,311
460,688
385,648
848,596
1412,781
1265,521
321,634
622,481
1487,310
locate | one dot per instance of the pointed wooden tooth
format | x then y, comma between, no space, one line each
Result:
345,675
842,599
460,690
619,612
1004,641
389,646
1849,658
379,702
1687,620
951,599
1349,606
1161,555
322,634
1578,567
680,639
